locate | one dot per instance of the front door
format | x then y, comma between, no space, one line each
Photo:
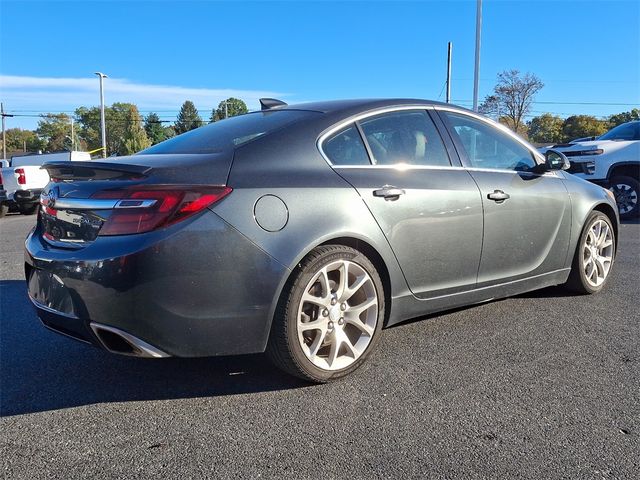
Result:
527,215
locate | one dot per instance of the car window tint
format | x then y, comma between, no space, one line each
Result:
407,137
488,147
229,133
626,131
346,148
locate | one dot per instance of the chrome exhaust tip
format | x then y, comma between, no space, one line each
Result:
118,341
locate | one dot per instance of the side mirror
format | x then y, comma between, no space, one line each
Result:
5,163
555,160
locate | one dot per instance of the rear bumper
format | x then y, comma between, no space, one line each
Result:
198,288
27,197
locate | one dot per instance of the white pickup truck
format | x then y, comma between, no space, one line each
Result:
611,160
23,179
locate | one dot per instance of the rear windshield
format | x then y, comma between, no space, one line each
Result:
229,133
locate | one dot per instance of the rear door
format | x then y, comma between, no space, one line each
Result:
527,215
429,209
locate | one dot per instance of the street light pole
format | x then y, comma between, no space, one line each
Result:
4,135
102,120
476,73
449,48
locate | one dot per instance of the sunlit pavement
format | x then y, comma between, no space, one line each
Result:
545,385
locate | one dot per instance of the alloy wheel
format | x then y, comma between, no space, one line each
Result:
597,252
626,197
337,315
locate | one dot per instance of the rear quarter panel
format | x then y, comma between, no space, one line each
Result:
321,205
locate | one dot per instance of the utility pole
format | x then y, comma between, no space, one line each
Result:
102,120
226,110
4,135
449,49
476,73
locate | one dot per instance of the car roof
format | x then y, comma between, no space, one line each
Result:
355,105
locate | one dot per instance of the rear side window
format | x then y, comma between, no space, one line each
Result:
229,133
406,137
346,148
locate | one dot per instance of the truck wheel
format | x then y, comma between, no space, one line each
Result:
28,209
4,209
626,191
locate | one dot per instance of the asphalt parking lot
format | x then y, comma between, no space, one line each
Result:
545,385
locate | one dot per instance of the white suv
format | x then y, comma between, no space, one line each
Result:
611,160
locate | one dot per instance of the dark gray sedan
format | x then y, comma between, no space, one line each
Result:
303,230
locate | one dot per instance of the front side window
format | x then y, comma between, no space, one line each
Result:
406,137
487,147
346,148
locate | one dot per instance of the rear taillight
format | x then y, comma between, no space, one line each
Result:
22,179
142,209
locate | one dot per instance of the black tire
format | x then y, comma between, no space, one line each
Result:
627,193
284,348
4,209
28,209
577,281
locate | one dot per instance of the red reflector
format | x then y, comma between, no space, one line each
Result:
50,211
173,204
22,179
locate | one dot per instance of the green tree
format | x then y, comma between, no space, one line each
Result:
169,132
19,139
578,126
512,98
117,118
55,129
135,136
624,117
228,108
546,128
89,120
188,118
153,126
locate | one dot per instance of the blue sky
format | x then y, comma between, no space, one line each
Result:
158,54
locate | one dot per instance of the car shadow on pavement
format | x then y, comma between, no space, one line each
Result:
41,370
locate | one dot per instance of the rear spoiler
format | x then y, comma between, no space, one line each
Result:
79,170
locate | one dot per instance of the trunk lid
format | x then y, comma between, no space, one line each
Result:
84,195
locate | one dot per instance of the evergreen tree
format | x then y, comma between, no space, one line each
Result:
188,118
228,108
155,130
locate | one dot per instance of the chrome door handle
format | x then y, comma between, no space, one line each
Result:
498,196
389,192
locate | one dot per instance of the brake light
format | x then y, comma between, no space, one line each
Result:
171,204
22,179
